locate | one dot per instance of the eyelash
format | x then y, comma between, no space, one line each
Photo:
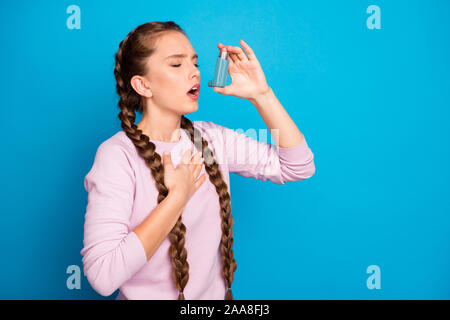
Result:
177,65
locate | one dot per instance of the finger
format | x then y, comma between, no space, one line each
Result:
200,159
222,90
196,161
248,50
238,52
200,181
167,160
196,157
186,156
231,63
233,58
197,170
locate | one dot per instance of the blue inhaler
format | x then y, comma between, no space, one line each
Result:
220,74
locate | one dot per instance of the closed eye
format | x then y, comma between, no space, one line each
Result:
177,65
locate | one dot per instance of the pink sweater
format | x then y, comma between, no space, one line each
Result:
122,192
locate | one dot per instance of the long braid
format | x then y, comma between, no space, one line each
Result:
130,101
215,176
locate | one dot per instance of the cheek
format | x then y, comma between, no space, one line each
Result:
168,84
173,82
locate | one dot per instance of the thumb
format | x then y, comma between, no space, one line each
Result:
221,90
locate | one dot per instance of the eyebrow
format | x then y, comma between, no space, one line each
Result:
181,56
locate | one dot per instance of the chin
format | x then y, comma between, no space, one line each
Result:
193,107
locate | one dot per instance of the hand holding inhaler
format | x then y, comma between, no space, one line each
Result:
247,77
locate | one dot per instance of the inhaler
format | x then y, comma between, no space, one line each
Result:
220,74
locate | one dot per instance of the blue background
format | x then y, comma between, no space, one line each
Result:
372,104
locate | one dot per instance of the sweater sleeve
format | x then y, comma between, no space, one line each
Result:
111,254
249,157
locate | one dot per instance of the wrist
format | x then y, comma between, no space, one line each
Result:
178,197
261,97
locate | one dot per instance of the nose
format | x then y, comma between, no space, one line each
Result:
196,72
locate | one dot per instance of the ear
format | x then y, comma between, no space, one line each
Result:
141,86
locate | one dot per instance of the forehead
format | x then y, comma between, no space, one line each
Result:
172,43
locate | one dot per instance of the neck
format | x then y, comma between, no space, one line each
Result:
160,125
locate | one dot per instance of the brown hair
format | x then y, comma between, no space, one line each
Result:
137,46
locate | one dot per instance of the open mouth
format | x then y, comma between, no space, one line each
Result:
193,93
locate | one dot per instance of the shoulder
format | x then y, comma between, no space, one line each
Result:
117,148
114,163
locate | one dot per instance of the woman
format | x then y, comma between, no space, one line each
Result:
153,227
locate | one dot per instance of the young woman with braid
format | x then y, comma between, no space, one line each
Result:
158,223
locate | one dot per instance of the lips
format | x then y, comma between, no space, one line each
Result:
194,91
195,88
